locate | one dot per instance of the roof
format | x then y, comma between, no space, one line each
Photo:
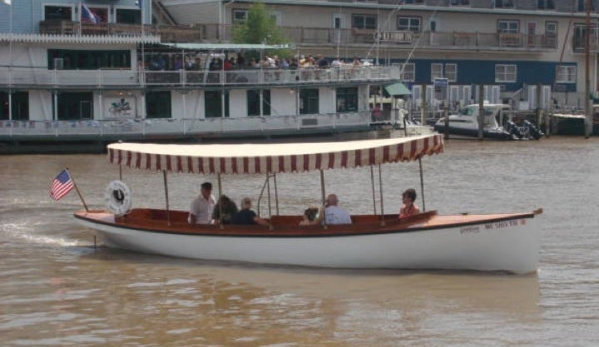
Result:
269,158
397,89
225,46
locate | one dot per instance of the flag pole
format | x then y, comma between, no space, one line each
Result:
77,189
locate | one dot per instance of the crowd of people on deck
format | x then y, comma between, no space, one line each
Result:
191,62
205,209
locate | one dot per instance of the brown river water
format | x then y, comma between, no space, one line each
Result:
56,289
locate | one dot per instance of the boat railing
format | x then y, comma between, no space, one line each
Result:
177,127
21,76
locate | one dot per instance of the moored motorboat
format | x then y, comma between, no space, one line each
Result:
490,242
498,124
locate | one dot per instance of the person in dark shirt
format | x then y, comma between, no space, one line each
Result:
246,216
224,210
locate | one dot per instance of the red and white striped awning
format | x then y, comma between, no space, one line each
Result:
272,158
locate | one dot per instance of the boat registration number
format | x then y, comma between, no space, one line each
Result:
470,229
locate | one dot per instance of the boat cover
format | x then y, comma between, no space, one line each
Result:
271,158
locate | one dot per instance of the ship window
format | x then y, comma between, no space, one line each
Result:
308,101
408,24
128,16
504,3
413,1
436,71
565,74
408,72
74,105
582,6
361,21
158,104
213,104
545,5
20,106
347,99
253,100
459,2
508,26
505,73
58,13
240,16
88,59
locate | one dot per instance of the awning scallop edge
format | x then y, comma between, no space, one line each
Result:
271,158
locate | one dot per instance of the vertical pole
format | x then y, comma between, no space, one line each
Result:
588,122
276,194
421,184
372,184
423,106
120,173
220,205
381,195
481,110
322,192
268,190
168,210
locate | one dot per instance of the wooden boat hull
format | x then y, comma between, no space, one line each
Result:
501,242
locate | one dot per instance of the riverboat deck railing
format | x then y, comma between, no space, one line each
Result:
24,77
135,127
383,37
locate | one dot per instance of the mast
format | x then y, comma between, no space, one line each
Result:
588,122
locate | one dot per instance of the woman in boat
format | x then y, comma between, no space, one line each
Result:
224,210
309,216
246,216
408,207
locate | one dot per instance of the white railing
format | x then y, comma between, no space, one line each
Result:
20,76
134,127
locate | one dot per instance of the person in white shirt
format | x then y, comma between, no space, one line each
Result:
202,206
333,214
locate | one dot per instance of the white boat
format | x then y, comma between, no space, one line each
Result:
498,124
489,242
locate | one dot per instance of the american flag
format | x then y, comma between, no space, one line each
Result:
61,185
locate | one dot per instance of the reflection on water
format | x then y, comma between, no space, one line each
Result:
55,289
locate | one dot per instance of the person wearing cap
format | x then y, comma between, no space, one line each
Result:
202,206
408,207
246,216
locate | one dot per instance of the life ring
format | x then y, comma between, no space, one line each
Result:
117,198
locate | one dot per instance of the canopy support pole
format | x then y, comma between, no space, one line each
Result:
120,172
268,191
276,194
373,190
421,184
168,210
323,195
381,194
220,205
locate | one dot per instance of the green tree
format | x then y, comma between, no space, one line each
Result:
260,27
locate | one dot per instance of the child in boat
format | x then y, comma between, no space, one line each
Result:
408,208
246,216
309,216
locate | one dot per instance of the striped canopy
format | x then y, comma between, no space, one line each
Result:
272,158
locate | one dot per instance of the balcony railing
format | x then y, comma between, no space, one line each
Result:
24,77
319,36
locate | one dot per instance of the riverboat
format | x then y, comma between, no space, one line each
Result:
489,242
498,124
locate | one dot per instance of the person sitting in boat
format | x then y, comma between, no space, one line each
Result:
309,216
246,216
408,208
224,210
332,214
202,206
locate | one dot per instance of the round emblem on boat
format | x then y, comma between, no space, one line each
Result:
117,198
